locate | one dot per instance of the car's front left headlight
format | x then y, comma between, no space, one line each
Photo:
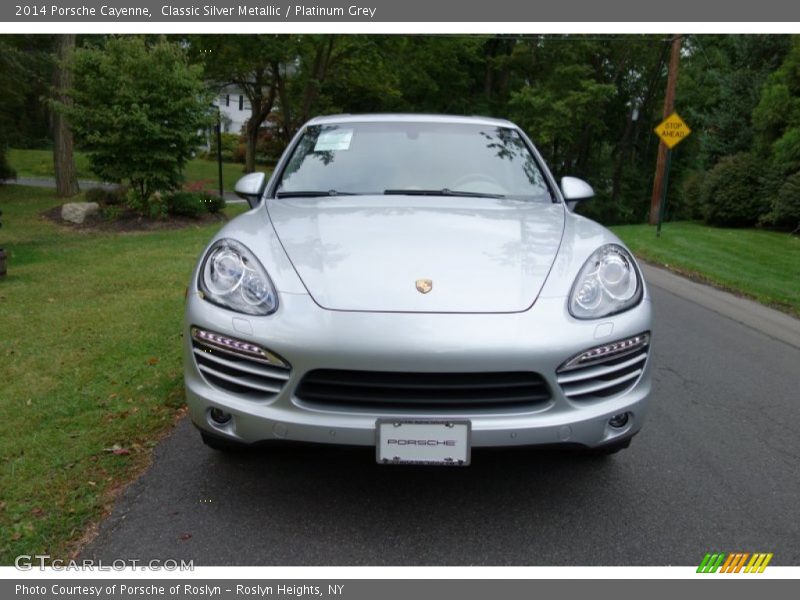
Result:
231,276
608,283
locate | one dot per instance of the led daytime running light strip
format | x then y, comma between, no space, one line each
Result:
606,351
233,345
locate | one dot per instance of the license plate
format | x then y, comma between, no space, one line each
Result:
423,442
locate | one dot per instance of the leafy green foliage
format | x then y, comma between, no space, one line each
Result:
193,204
138,109
550,107
786,205
777,116
732,192
230,148
107,196
186,204
588,103
689,204
213,203
719,87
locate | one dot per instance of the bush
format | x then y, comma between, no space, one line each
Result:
786,205
186,204
153,205
115,196
732,192
6,172
688,204
230,147
213,203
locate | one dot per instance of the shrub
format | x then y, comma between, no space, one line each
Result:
111,213
239,154
688,203
6,172
115,196
186,204
213,203
230,141
786,205
153,205
95,195
732,192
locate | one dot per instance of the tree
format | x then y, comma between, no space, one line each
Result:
12,75
254,64
138,110
777,116
63,159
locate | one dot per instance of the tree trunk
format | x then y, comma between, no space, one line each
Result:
622,153
322,59
63,159
260,108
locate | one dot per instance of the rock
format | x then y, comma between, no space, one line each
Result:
76,212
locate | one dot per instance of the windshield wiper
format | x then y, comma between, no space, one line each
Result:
311,194
441,192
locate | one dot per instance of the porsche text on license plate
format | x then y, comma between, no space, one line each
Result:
423,442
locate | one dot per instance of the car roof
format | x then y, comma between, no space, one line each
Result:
409,118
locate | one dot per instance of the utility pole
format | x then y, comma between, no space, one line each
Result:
659,183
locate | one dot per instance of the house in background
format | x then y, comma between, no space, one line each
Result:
234,108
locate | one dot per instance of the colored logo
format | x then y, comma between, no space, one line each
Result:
735,562
424,285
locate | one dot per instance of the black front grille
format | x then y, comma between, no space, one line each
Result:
414,391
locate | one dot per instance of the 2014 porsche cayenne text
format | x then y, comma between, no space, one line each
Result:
418,284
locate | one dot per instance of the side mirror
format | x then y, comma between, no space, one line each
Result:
575,190
251,187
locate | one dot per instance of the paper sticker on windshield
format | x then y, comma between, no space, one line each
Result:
338,139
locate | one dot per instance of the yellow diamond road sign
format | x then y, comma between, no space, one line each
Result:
672,130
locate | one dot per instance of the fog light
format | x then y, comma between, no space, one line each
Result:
618,421
219,417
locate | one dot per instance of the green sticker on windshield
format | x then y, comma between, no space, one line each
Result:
338,139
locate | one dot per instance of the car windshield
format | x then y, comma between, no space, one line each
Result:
419,158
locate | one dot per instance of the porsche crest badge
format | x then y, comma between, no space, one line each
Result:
424,285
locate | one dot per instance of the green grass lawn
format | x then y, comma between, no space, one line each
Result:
39,163
90,361
762,264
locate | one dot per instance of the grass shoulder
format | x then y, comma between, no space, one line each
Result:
92,374
761,264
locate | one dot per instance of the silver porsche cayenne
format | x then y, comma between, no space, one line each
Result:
418,284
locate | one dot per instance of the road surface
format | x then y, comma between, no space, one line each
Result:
717,467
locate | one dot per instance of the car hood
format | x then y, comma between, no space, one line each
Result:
367,253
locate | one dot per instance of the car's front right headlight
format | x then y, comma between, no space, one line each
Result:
231,276
608,283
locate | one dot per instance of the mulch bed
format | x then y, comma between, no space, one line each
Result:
127,220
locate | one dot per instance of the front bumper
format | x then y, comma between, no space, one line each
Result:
310,337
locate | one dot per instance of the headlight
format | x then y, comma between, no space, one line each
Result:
231,276
607,284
